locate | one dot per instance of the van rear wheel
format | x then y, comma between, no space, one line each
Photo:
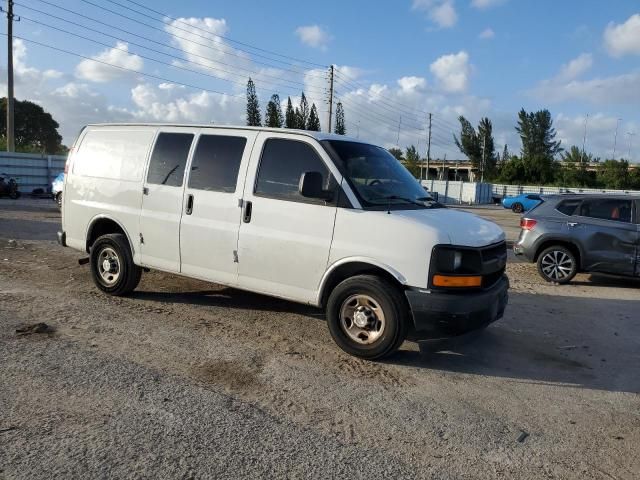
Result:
112,266
367,317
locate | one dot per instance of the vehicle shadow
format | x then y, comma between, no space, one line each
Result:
571,341
604,280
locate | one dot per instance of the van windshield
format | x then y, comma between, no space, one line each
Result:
378,179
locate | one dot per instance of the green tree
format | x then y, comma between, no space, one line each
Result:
35,129
254,118
539,147
396,152
340,127
314,121
290,119
614,174
303,112
412,161
273,116
512,171
487,145
469,142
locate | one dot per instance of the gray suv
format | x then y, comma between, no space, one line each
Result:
567,234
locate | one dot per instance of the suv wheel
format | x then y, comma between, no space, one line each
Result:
517,207
557,264
112,266
59,199
367,317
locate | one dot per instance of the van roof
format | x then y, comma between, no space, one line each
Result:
309,133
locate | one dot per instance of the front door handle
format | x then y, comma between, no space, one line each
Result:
572,224
247,207
189,209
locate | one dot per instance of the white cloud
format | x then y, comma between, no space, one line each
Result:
441,12
314,36
452,72
487,34
622,39
101,73
411,84
575,67
481,4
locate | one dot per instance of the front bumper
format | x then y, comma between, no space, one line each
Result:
439,314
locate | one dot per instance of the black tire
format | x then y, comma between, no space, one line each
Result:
59,199
387,298
557,264
517,207
114,250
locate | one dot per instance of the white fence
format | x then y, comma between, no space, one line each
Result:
450,192
32,171
511,190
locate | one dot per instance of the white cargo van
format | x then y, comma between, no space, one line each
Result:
310,217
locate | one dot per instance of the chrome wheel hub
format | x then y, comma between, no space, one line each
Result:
362,319
556,265
108,266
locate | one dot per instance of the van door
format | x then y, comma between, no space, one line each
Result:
285,238
211,218
162,199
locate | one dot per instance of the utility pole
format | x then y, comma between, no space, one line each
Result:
615,139
444,160
399,125
330,97
584,138
484,143
429,148
10,101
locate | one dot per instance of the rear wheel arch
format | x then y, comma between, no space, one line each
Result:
572,247
103,225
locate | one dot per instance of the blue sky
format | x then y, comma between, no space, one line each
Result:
394,59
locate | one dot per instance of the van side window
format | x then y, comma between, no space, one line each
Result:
607,209
216,162
169,159
282,163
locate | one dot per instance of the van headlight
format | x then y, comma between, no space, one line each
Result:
455,267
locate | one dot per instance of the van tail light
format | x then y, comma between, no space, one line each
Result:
527,223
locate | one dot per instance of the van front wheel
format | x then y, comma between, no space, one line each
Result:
367,317
112,266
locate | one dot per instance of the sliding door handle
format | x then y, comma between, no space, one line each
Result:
247,207
189,209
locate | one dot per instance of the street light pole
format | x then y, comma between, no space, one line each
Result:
615,139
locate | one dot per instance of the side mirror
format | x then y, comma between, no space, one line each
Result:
310,186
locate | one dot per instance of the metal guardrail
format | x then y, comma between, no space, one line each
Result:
30,170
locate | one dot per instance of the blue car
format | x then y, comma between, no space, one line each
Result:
56,189
522,203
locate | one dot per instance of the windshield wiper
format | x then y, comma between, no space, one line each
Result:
417,201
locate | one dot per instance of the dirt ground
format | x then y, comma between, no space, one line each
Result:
186,379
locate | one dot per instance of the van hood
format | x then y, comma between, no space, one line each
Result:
463,228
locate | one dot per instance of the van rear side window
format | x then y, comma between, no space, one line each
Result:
113,154
169,159
216,163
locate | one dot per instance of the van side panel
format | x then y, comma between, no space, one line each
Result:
105,180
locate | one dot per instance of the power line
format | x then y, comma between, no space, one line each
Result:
156,77
164,15
172,65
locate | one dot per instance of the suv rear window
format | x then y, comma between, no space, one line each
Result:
618,210
568,207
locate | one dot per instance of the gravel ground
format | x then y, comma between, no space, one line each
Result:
186,379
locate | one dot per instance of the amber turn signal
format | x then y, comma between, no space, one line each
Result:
450,281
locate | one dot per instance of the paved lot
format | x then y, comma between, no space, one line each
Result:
193,380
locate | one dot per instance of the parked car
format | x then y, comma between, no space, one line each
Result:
567,234
8,186
521,203
314,218
57,186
